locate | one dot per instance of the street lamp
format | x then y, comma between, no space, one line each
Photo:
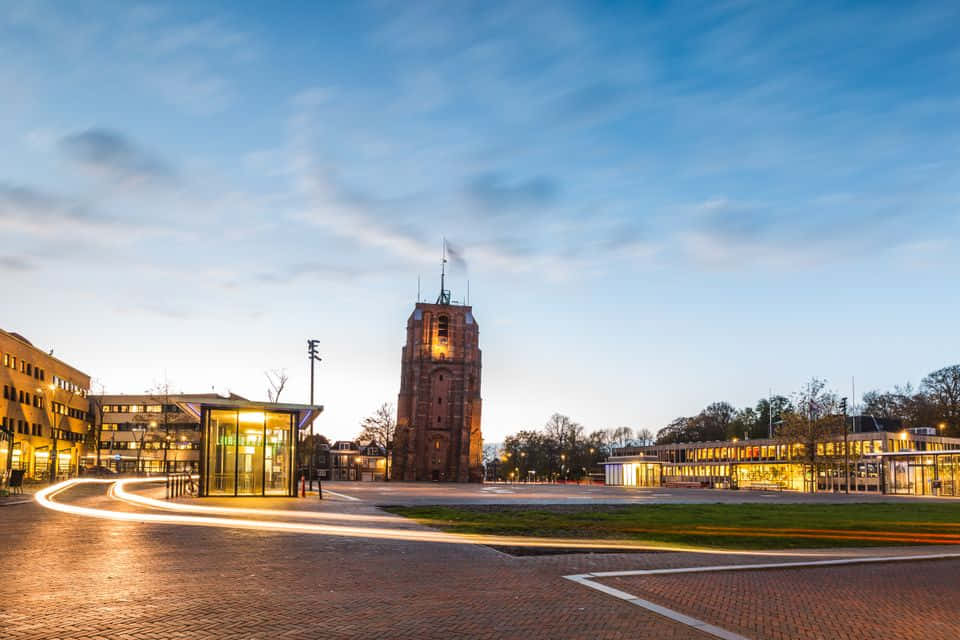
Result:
357,460
142,431
55,447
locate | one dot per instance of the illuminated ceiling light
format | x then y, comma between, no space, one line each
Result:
252,416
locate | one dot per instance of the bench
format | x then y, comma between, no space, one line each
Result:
683,485
764,486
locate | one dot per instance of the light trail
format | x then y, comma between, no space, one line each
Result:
44,498
118,490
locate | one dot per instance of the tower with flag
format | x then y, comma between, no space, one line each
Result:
438,408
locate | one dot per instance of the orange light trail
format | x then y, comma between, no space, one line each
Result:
45,497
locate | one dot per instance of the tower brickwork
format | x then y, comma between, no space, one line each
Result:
438,409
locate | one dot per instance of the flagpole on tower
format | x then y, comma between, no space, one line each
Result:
444,297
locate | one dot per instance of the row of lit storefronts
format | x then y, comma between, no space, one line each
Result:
35,461
895,463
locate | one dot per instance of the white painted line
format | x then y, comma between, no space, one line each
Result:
342,495
586,579
670,614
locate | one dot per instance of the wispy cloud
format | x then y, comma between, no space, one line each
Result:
27,210
495,193
15,264
111,153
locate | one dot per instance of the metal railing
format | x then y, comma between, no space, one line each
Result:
180,484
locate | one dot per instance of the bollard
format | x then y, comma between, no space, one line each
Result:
303,486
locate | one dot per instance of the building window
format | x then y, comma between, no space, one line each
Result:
443,328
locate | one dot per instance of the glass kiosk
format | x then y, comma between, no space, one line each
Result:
249,451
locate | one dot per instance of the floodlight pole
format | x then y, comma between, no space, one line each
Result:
313,357
846,447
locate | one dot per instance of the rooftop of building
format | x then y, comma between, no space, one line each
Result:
18,337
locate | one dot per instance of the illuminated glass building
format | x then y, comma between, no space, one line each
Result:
249,448
916,462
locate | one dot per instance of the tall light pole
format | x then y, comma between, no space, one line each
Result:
846,447
314,357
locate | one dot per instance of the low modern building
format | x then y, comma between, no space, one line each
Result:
239,447
915,462
146,433
249,448
44,413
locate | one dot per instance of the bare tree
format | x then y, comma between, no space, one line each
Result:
96,429
380,429
277,378
644,437
166,423
620,436
58,412
812,424
943,388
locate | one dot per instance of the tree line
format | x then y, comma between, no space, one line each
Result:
935,404
561,450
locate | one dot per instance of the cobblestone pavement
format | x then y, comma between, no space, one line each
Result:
72,578
903,600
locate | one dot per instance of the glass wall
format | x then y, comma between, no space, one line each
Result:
248,452
278,454
923,475
221,452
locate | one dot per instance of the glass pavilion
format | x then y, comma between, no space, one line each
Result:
249,448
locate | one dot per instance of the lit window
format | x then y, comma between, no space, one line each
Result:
443,328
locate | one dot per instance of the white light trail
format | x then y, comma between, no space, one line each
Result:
119,491
44,499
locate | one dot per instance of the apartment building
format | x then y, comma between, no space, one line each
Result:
44,412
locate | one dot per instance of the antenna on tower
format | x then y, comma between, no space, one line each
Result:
444,297
418,287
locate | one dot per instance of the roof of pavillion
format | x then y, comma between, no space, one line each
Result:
308,413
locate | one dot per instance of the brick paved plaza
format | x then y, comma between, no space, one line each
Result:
72,577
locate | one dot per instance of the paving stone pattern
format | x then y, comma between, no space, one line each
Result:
73,578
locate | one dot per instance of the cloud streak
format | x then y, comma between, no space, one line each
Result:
108,152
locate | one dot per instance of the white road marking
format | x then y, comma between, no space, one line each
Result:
676,616
587,580
342,495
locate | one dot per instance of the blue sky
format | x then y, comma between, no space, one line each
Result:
660,204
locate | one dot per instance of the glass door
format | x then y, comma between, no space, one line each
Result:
278,455
222,453
250,454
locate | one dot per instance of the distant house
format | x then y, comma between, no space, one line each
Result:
352,461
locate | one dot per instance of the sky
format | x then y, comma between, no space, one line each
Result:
659,205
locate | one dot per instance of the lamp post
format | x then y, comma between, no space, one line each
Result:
357,460
142,431
51,401
846,446
314,357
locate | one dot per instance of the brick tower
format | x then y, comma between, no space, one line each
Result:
438,410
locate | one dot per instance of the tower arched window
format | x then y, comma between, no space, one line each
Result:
443,329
